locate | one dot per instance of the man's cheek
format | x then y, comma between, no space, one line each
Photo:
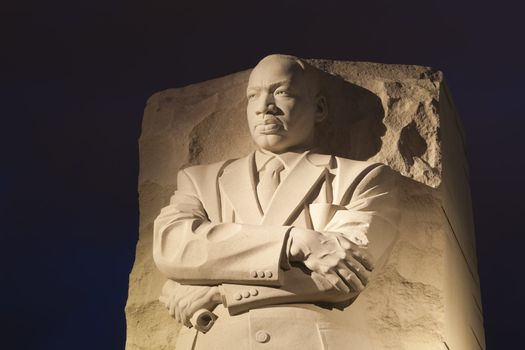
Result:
251,124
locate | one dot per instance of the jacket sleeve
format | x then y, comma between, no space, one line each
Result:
190,249
297,287
371,215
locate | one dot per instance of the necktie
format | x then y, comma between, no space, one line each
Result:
269,180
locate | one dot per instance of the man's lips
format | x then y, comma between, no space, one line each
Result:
267,129
269,119
269,125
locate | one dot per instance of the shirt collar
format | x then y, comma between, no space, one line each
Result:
287,158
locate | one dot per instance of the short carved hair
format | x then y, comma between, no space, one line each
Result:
308,70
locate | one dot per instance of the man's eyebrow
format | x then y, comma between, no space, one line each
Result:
271,86
277,83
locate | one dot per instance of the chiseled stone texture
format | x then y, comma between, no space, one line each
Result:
427,294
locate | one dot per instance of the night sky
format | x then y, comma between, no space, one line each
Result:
74,79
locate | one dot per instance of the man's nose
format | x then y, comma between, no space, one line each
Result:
266,104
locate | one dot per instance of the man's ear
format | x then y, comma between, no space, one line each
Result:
321,109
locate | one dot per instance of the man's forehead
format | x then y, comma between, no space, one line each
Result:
280,62
275,70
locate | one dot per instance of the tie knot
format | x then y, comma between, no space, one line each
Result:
274,165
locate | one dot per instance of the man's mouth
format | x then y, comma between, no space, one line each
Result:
269,125
267,129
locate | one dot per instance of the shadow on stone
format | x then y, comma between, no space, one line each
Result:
355,124
411,144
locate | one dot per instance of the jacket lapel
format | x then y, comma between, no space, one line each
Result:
238,184
292,192
348,171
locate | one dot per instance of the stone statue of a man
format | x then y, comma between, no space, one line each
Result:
276,242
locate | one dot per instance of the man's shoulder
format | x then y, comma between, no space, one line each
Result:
352,163
354,168
358,169
212,170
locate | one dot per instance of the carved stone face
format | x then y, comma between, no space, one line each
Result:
282,105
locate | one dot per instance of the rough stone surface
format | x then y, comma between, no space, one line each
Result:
427,295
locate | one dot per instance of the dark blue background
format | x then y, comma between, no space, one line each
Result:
75,76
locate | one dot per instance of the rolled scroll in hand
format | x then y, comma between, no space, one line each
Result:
203,320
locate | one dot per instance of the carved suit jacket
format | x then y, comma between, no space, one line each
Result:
214,232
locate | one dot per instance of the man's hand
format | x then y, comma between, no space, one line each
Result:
344,264
183,301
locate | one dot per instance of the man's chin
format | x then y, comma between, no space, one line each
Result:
273,142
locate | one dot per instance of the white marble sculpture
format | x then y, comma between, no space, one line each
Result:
275,244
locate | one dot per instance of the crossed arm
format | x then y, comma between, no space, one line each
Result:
216,262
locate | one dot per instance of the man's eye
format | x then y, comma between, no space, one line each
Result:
282,93
250,96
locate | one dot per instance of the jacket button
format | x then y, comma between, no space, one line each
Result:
246,294
269,274
237,296
254,292
260,274
262,337
253,274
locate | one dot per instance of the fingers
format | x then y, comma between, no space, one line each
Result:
360,271
357,252
362,257
358,260
178,315
337,281
182,307
172,309
350,278
356,281
189,311
321,282
181,311
334,269
185,316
